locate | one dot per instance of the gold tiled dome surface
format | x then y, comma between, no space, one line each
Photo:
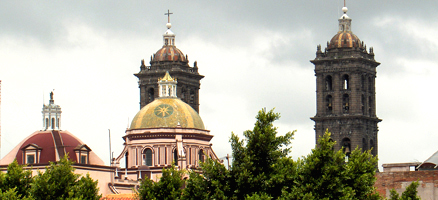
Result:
167,113
169,53
345,39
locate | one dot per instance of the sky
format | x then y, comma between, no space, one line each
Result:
253,54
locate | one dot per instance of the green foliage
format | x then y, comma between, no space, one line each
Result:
60,182
16,177
212,184
169,186
324,174
409,194
255,157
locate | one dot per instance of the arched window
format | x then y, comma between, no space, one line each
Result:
345,103
363,104
53,123
364,144
373,148
328,103
328,83
150,96
370,84
183,94
346,144
370,104
47,123
201,155
175,156
147,157
345,82
192,96
126,160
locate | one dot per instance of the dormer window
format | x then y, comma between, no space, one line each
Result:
31,154
82,154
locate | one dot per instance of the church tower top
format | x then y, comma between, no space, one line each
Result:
51,115
169,36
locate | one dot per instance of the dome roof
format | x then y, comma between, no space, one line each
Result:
167,113
344,39
169,53
51,145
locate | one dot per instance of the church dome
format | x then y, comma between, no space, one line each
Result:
167,113
344,39
169,53
50,146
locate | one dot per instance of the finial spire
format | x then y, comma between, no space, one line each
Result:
168,15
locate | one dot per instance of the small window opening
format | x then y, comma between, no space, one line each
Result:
370,103
147,157
175,156
363,104
364,144
83,159
53,123
166,42
345,103
201,155
328,101
328,83
47,123
363,82
150,95
345,82
30,159
373,148
346,147
192,96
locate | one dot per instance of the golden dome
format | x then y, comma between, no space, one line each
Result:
167,113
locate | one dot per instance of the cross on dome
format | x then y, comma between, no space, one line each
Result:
169,36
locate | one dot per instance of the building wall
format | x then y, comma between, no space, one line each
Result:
427,190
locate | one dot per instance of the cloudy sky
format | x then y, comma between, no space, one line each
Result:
254,54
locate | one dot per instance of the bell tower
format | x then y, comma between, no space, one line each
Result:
345,91
169,59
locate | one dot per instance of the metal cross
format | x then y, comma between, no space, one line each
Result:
168,15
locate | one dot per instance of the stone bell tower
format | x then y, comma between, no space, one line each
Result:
171,59
345,91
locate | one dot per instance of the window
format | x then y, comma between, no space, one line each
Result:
363,104
345,103
373,148
175,156
47,123
328,83
147,157
328,102
30,159
83,159
345,82
370,103
150,95
346,146
201,155
364,145
363,82
192,96
53,123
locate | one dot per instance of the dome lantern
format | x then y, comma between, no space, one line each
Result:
167,86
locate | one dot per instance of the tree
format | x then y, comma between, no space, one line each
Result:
255,158
169,186
409,194
212,184
16,177
60,182
324,174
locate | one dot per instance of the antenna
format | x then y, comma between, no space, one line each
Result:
109,138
